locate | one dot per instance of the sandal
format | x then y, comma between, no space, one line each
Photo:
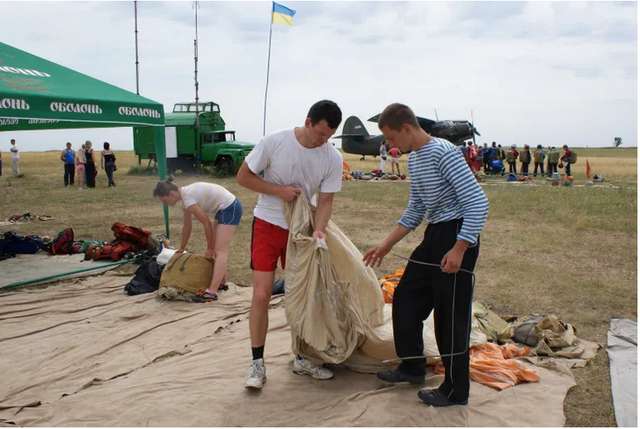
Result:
209,296
223,287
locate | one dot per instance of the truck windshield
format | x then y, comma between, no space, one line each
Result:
218,137
191,108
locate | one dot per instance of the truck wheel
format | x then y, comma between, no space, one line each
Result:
225,165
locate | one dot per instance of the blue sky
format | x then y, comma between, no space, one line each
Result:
532,72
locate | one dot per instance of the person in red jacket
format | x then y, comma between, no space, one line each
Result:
566,159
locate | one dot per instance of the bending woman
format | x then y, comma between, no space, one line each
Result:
202,200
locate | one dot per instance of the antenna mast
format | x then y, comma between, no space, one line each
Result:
135,15
196,5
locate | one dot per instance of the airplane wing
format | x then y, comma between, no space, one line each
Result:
353,136
425,124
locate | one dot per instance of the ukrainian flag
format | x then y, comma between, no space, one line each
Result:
282,14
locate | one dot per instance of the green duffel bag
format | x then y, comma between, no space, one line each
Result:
187,272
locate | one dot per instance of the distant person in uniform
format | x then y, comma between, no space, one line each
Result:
15,158
512,157
538,158
553,157
108,163
486,158
68,158
395,155
525,160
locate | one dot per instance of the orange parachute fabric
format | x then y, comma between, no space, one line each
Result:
389,284
346,170
494,366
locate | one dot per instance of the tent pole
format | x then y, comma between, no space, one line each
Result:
161,159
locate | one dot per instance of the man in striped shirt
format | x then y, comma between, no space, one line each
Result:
446,195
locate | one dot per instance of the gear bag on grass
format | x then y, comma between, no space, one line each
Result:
132,234
187,272
63,243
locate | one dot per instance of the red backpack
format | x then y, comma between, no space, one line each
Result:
63,243
137,236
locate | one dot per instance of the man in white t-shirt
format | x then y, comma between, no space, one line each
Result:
281,167
15,158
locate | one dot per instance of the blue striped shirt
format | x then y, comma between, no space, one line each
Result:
442,189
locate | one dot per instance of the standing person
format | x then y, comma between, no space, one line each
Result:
493,153
446,195
395,154
205,201
486,158
90,165
480,157
500,153
500,156
15,158
468,155
108,163
0,162
81,160
281,167
383,155
538,158
68,158
554,157
512,156
568,158
525,160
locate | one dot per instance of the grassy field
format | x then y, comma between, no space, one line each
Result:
568,251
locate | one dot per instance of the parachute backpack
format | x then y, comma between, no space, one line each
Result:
573,158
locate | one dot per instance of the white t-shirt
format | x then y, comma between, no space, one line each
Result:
282,160
209,196
14,152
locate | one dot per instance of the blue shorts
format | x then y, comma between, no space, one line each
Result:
231,215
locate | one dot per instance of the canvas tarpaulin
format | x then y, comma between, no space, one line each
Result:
622,347
84,354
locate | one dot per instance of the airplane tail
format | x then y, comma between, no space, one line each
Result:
354,128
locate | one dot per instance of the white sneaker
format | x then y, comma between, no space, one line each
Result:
257,375
302,366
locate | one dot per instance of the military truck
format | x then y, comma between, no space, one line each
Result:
189,146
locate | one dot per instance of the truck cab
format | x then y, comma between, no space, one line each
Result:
191,142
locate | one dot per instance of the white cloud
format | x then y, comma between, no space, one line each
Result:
531,72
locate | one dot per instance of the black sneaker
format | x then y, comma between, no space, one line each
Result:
436,398
395,376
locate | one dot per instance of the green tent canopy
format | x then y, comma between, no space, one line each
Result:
37,94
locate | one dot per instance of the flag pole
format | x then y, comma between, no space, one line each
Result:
266,89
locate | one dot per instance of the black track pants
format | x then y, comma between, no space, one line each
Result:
424,288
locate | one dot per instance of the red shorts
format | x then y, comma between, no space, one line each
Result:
268,243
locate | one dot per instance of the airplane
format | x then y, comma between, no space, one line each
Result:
357,140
